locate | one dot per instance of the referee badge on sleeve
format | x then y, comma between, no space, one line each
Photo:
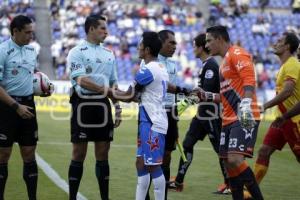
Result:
209,74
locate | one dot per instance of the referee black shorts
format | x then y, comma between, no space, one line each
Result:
15,129
172,133
199,129
91,119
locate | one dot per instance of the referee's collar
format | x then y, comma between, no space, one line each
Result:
162,58
91,44
15,44
205,61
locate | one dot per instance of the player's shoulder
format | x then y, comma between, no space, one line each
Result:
236,51
211,63
5,47
79,49
106,50
292,63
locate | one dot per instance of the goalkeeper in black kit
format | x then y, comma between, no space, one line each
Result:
207,120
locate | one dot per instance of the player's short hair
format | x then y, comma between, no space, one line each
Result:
92,21
200,41
152,40
19,23
164,34
219,31
292,40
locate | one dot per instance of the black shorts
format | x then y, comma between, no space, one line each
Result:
15,129
199,129
172,133
91,120
235,139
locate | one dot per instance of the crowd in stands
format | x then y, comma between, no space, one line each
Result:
254,30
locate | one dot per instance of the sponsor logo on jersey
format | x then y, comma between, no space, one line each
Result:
83,49
3,137
10,51
88,69
29,48
82,135
98,60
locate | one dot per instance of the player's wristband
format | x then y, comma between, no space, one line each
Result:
210,97
14,106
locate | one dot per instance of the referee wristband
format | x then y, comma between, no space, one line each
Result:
14,106
210,97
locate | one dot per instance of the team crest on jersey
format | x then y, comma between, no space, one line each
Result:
14,72
153,144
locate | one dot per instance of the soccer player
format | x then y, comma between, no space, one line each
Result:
92,73
207,120
18,122
287,96
241,115
152,82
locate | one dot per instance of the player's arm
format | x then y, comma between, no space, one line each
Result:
207,96
174,89
211,79
293,112
142,78
288,88
78,73
22,110
245,68
287,115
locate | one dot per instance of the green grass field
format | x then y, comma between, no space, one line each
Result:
281,183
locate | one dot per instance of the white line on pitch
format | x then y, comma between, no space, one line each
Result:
53,175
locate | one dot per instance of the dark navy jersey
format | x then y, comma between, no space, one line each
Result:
210,82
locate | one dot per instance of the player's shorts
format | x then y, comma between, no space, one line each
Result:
91,120
199,129
15,129
172,133
150,144
237,140
288,133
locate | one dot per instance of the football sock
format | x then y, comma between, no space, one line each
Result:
147,195
236,183
166,172
3,178
102,173
250,182
260,169
75,174
30,176
143,183
240,176
159,183
183,166
225,175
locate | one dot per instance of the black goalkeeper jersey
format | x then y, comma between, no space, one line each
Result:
209,81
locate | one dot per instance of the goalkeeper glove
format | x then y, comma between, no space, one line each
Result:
245,114
186,102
